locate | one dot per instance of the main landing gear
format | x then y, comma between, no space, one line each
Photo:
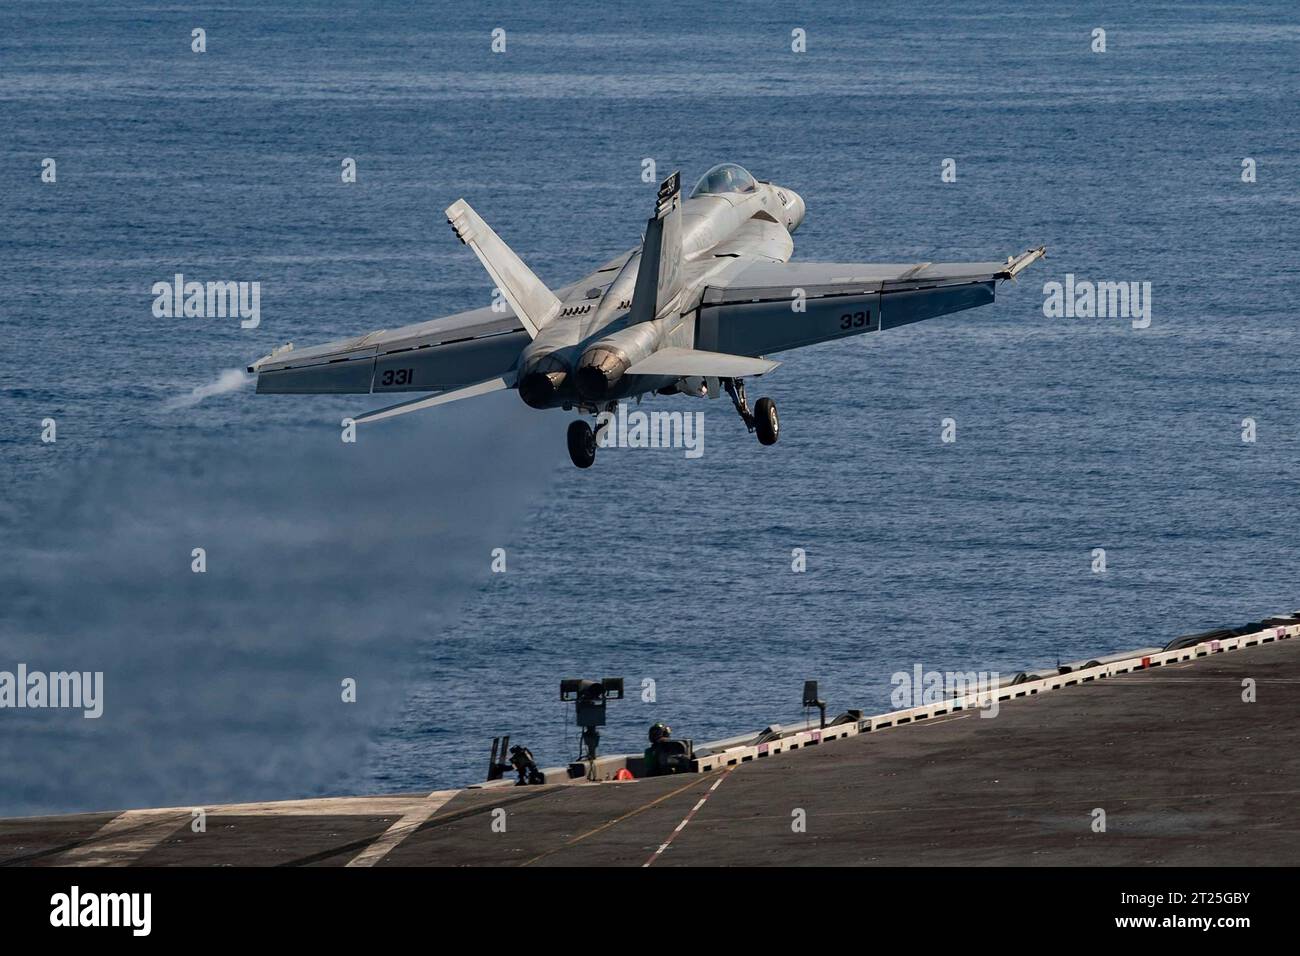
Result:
582,439
582,443
763,419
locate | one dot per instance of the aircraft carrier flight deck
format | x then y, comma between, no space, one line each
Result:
1174,757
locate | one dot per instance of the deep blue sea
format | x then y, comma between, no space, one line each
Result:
372,561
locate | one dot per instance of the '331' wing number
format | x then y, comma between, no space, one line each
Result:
854,320
398,376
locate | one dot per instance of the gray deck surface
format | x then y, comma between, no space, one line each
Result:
1186,772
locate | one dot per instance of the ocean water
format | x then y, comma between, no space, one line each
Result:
373,561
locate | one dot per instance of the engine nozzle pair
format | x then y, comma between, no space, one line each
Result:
596,377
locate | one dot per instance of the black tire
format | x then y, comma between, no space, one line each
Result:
582,444
766,422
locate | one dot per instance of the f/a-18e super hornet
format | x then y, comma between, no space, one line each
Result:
694,310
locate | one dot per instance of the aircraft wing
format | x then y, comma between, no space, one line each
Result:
761,307
441,354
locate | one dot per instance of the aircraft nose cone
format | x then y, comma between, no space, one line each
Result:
795,211
600,369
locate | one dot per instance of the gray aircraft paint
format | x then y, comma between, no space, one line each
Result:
726,286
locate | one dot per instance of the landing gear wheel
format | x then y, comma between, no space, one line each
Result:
766,423
582,444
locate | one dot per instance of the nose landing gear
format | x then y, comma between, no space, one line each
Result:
763,419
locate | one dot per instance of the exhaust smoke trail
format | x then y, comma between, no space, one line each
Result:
324,561
229,380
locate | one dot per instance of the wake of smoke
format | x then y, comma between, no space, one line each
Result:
228,381
325,561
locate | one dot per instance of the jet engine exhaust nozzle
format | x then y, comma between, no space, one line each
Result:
538,389
599,372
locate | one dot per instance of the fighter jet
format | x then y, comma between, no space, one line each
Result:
696,309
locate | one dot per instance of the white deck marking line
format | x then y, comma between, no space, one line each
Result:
682,826
125,838
133,833
617,820
402,828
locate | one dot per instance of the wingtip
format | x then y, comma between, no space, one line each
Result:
1017,264
279,350
460,217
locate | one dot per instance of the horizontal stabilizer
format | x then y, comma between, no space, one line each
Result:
533,302
442,398
686,363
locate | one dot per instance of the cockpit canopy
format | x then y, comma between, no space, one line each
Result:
724,178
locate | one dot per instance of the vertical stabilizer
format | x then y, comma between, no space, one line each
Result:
659,278
533,302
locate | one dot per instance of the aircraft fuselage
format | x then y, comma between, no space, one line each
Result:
579,360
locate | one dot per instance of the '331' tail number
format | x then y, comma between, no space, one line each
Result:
854,320
398,376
